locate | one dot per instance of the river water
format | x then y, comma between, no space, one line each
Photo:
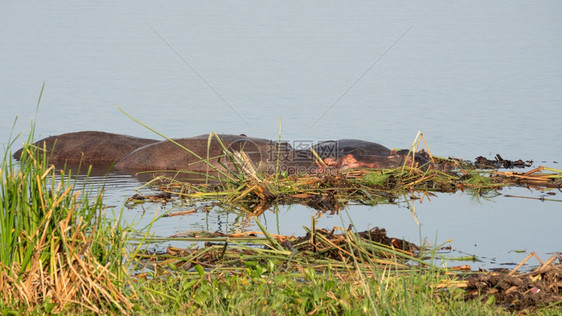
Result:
476,77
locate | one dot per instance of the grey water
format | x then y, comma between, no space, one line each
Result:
476,77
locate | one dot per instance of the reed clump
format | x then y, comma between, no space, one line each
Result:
57,248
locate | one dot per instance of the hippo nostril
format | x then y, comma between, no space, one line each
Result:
330,161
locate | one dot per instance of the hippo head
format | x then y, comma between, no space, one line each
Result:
350,153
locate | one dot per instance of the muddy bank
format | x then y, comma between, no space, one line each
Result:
516,292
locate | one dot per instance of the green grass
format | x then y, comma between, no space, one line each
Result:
264,289
57,248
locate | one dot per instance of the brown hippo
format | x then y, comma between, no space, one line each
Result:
88,147
169,155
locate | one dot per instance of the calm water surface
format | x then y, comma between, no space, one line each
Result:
476,77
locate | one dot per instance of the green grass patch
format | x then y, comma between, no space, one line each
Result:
265,289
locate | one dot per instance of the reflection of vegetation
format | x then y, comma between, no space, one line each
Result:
479,196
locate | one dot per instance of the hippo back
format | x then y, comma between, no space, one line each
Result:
88,147
167,155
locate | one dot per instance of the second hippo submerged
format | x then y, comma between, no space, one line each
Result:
204,153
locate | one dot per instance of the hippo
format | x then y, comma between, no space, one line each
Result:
88,147
205,153
354,153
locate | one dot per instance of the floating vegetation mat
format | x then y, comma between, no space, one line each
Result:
253,192
319,248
